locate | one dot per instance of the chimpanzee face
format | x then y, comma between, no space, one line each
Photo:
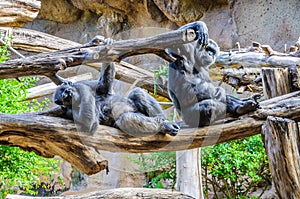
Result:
63,95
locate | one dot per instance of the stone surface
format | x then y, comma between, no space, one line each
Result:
59,11
275,23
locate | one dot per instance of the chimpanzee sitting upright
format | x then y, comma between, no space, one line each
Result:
195,97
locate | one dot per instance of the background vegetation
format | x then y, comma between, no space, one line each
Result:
20,171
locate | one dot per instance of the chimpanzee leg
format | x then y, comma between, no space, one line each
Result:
145,103
137,124
238,107
204,113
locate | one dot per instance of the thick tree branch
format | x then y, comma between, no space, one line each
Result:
49,136
95,51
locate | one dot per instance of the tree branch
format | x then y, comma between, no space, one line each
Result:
49,136
94,51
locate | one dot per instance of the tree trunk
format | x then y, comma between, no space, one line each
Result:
188,170
281,136
276,82
282,142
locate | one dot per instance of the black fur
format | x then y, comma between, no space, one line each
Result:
89,103
195,97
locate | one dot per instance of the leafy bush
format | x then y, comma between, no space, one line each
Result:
21,171
235,168
159,167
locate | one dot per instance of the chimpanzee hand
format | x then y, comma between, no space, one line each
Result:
201,30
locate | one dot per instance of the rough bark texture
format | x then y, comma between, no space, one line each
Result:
276,82
281,135
282,142
121,193
255,59
188,172
18,12
49,136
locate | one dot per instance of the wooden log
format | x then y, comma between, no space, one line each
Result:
276,82
18,12
121,193
49,88
248,59
278,134
95,51
34,41
282,142
49,136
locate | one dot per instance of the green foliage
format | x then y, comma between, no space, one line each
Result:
159,167
21,171
235,168
161,71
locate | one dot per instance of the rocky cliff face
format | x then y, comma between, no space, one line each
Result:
270,22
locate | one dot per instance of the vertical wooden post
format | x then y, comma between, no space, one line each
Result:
282,142
276,82
188,173
281,137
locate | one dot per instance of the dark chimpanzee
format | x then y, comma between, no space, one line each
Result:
195,97
90,103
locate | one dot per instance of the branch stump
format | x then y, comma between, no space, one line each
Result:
281,136
282,142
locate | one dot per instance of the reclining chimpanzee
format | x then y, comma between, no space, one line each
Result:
90,103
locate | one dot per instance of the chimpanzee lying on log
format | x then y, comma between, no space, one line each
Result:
90,103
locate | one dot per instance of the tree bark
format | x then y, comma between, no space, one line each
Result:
49,136
246,59
95,51
276,82
121,193
281,136
282,142
18,12
188,172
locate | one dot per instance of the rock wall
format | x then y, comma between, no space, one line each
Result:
273,22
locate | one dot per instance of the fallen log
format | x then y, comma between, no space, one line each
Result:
34,41
95,51
121,193
238,59
49,136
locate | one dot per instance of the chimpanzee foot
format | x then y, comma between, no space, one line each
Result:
247,107
171,128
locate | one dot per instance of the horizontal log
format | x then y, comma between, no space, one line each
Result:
121,193
34,41
49,136
95,51
49,88
246,59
